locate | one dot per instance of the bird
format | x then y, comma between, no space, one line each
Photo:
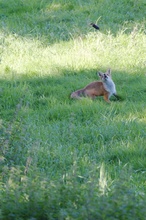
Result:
95,26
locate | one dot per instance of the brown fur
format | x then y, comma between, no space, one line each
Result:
105,88
92,90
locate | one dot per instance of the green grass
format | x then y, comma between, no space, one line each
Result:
62,158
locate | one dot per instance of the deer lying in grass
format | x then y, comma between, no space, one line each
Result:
105,87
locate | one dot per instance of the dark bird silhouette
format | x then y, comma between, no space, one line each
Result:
95,26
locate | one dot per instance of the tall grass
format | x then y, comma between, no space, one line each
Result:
63,158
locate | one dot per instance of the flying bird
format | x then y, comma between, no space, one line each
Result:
95,26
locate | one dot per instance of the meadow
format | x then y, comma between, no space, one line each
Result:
62,158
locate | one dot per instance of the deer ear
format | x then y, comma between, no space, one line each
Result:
109,72
100,74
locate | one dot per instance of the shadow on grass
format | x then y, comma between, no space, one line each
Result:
42,129
43,105
49,91
60,21
52,147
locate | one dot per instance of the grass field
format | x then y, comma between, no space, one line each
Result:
62,158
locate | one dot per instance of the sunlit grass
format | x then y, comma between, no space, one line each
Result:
93,51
